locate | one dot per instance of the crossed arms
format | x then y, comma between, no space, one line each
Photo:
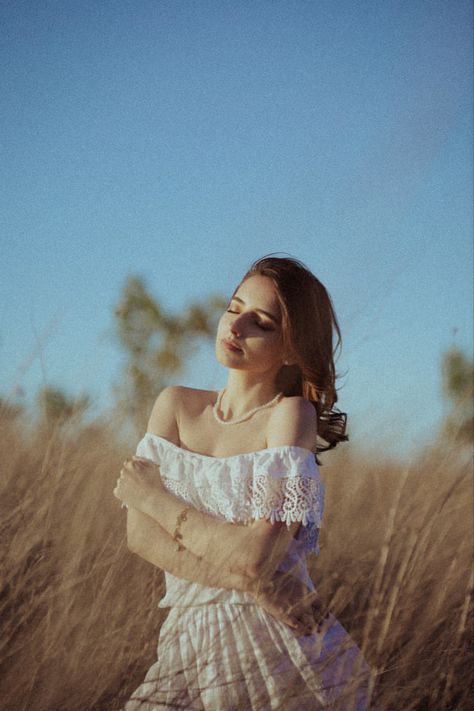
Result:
217,553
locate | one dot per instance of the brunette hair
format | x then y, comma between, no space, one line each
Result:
308,324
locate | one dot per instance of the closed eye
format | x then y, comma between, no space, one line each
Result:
264,328
257,323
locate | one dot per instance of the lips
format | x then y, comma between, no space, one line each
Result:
231,345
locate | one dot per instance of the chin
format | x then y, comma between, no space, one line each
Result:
227,357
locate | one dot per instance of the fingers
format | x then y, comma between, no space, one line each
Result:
136,463
308,627
303,621
303,625
143,461
129,463
117,496
309,621
135,471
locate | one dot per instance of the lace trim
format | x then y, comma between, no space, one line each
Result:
278,486
287,499
290,499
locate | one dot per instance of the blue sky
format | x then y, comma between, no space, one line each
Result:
182,140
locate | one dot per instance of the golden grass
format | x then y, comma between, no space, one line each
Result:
79,612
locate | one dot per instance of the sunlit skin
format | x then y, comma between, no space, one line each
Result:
252,372
252,321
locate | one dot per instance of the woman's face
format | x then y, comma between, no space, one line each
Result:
253,323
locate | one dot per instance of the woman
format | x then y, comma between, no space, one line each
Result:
225,496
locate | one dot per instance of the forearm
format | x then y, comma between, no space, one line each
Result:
281,599
148,539
234,547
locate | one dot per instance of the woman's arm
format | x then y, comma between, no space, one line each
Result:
280,594
254,550
283,596
150,541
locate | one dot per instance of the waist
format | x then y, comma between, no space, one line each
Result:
185,593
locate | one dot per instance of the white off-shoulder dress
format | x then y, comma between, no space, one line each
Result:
217,649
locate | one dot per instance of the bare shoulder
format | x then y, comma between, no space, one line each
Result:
294,422
164,418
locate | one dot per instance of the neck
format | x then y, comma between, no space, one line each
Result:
245,390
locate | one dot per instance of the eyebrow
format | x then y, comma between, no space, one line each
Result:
273,318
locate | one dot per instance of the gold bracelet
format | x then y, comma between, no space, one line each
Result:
177,536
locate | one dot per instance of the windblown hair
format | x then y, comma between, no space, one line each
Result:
308,325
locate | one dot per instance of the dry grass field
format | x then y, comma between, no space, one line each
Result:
79,612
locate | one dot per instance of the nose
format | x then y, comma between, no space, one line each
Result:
235,328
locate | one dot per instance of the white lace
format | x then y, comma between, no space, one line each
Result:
279,484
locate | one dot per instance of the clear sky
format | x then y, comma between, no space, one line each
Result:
182,140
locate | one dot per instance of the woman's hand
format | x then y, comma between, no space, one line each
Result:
287,599
139,483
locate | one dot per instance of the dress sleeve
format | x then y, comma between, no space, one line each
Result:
148,448
286,486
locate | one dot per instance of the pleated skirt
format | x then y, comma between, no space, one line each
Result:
228,657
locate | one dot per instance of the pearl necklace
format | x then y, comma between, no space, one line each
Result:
245,416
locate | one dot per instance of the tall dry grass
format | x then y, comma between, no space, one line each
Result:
79,612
